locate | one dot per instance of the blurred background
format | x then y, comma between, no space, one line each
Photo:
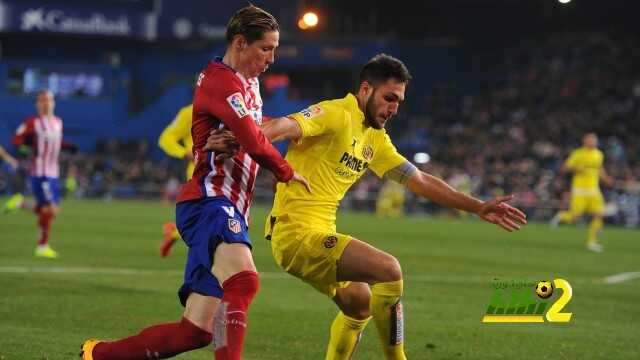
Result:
503,90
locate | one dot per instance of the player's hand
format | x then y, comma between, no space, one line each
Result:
299,178
223,142
497,211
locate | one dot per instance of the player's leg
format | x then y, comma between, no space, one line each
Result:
234,267
170,235
596,208
200,294
361,262
348,325
163,340
47,193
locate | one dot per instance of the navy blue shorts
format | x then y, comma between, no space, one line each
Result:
46,190
203,225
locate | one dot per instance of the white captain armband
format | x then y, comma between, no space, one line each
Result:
401,173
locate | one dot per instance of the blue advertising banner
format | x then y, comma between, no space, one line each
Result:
207,19
31,16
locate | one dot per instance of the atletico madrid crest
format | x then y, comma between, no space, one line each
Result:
235,226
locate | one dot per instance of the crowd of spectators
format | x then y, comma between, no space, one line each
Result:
509,138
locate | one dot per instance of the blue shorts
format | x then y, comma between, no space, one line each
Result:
203,225
46,190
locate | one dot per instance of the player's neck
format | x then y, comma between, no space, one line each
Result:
230,59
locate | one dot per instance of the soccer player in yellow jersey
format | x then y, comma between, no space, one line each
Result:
390,201
176,141
333,144
585,163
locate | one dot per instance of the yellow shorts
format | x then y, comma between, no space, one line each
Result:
308,253
590,204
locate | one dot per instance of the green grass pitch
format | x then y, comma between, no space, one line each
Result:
110,282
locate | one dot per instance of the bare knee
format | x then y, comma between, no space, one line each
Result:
390,270
354,301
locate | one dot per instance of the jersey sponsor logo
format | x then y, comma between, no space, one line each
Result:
311,112
235,226
353,162
237,104
367,152
330,241
200,78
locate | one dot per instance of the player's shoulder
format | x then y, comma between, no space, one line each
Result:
30,119
220,73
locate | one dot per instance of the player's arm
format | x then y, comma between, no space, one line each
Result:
571,164
24,134
226,103
606,178
282,128
389,164
4,155
169,140
495,211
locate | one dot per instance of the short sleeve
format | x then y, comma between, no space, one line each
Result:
572,161
386,157
319,119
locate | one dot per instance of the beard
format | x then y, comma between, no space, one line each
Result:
370,113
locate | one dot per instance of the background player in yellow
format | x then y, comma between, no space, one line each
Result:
333,144
586,165
390,201
176,141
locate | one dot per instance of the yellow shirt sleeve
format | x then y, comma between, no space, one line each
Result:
319,119
572,160
172,140
386,157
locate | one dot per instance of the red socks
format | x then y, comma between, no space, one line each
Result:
230,324
155,342
44,223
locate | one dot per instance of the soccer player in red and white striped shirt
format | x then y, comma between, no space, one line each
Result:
43,133
220,278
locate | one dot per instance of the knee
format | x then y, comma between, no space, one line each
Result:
358,308
391,270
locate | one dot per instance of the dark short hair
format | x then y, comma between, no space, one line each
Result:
250,22
383,67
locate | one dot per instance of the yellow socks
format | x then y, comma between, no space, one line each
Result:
386,310
345,335
594,226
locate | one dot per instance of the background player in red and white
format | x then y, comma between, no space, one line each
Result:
220,277
43,133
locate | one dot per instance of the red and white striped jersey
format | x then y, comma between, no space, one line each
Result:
44,134
225,99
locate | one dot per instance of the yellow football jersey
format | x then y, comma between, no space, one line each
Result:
585,164
334,151
176,140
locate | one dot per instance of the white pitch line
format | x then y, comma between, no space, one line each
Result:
619,278
263,274
427,278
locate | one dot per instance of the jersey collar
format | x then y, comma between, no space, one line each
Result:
352,104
